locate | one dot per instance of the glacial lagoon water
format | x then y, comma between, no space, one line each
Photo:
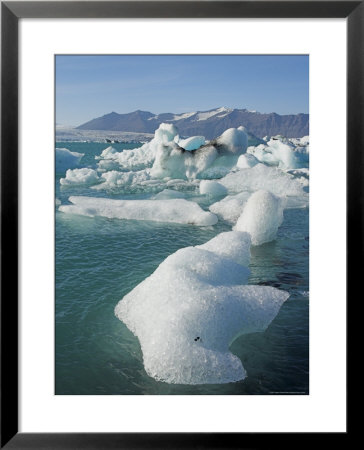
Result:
99,260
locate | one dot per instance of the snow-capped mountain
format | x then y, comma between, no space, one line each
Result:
207,123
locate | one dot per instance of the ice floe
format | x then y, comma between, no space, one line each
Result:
176,210
187,313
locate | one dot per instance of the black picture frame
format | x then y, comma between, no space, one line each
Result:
11,12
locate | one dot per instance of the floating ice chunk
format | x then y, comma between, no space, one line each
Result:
187,313
252,139
233,141
246,161
168,194
65,159
107,164
261,217
140,157
107,153
213,188
57,201
80,176
230,207
192,143
171,160
263,154
176,210
114,179
283,152
133,159
263,177
165,133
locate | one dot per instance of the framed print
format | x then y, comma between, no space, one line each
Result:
182,252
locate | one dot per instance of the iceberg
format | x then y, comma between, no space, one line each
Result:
246,161
170,156
171,160
65,159
261,217
188,312
141,157
282,152
232,141
80,176
114,179
230,207
212,188
176,210
263,177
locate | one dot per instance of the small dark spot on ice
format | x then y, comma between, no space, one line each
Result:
197,338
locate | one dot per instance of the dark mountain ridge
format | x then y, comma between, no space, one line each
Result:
206,123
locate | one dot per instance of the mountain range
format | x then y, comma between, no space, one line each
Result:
210,123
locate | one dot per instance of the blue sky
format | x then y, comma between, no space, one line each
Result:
91,86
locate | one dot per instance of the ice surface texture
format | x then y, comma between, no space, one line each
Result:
263,177
212,188
176,210
187,313
80,176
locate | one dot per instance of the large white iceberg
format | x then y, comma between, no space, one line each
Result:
176,210
233,141
261,217
170,156
188,312
171,160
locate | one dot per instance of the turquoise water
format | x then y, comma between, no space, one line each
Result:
99,260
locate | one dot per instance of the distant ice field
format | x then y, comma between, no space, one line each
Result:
102,258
